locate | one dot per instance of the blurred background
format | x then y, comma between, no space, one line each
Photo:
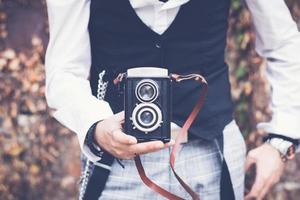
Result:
39,158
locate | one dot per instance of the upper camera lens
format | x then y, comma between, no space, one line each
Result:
147,117
147,90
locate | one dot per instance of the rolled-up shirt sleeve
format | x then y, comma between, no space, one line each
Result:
67,67
278,40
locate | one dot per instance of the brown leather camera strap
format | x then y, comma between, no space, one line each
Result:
184,130
180,137
151,184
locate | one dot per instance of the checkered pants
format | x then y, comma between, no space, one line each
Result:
198,163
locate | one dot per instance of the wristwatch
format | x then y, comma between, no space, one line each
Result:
91,143
285,145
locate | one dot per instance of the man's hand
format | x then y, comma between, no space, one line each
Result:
109,136
269,168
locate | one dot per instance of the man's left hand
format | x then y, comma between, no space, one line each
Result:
269,168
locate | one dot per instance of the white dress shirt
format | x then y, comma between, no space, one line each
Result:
68,61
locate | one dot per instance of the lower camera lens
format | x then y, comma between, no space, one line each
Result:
147,117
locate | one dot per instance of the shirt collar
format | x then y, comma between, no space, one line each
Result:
165,6
173,4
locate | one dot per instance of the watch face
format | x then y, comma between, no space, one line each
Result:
291,152
286,148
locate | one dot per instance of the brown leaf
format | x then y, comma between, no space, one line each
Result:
3,63
14,65
15,150
34,169
9,54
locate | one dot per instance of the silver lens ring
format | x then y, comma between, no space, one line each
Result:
155,119
147,90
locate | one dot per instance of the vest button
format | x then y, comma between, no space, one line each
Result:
158,46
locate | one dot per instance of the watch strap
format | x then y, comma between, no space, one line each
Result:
285,145
91,143
273,135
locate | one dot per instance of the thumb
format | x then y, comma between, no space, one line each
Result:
120,116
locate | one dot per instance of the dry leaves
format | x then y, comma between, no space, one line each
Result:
34,146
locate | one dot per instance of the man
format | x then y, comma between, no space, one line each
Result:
185,36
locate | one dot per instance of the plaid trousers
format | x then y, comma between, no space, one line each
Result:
198,163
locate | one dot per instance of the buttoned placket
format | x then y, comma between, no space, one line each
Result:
160,23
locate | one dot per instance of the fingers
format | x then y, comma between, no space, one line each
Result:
269,184
259,182
122,138
269,168
260,189
120,117
111,137
127,151
266,188
257,187
146,147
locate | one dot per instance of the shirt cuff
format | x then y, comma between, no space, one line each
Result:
283,124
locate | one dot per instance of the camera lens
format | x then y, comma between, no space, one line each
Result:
147,117
147,90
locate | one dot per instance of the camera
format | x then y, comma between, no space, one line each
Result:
148,104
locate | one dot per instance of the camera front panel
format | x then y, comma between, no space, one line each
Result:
148,108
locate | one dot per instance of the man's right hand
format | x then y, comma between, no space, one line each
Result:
110,136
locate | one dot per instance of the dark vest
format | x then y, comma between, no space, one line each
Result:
194,43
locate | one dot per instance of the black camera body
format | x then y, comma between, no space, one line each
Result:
148,104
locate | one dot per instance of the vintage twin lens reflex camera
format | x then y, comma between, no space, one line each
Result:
148,104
